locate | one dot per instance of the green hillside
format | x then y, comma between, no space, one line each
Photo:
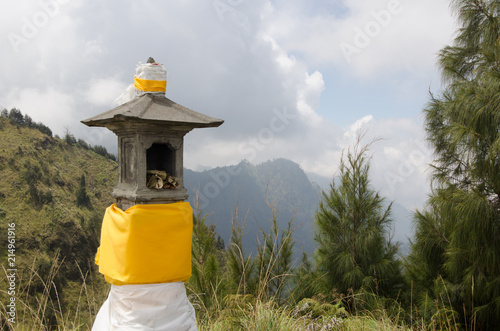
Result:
55,191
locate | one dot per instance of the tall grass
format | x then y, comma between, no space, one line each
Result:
40,306
268,299
263,296
42,303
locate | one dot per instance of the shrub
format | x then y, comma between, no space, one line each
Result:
32,174
69,138
46,197
82,198
83,144
34,194
101,150
16,116
43,129
28,121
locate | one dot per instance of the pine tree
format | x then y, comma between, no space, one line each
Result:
16,116
240,265
306,283
274,259
82,198
354,250
206,280
457,244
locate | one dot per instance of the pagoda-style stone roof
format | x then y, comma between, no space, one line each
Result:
154,108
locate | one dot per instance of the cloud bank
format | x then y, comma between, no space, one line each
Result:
280,73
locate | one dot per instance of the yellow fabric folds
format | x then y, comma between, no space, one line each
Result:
146,244
147,85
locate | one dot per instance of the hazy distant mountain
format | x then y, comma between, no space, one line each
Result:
282,183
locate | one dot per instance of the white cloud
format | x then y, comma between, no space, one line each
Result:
400,164
308,98
244,65
54,108
359,127
103,91
93,48
372,38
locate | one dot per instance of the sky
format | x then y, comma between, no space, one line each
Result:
295,79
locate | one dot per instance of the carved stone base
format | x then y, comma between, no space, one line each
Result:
125,204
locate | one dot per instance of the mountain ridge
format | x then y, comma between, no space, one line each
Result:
251,192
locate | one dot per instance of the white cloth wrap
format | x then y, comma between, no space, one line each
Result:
144,71
151,71
159,307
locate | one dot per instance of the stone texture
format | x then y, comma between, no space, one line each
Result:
150,132
154,107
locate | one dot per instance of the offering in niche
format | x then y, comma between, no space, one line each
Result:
159,179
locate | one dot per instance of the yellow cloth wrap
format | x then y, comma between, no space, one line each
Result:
147,85
146,244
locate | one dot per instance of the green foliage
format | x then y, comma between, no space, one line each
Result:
457,244
28,121
69,138
43,129
101,150
240,266
32,174
46,197
206,280
17,117
306,281
83,144
314,308
247,313
82,198
354,252
75,242
33,192
226,283
274,260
